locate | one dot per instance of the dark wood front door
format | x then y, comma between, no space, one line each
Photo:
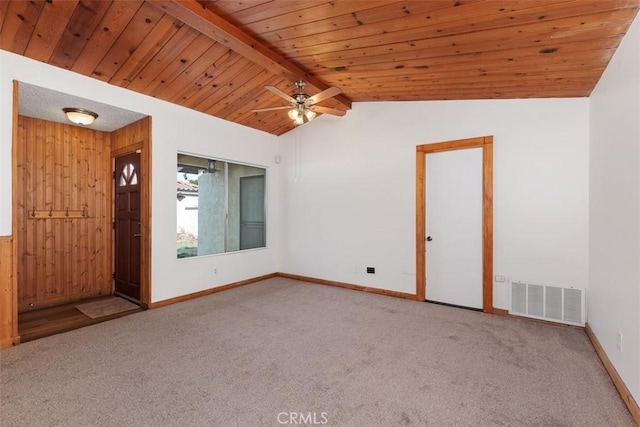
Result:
127,226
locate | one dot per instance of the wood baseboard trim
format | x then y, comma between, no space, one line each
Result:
210,291
10,342
625,394
503,312
351,286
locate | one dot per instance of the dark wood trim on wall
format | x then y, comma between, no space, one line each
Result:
210,291
621,387
285,275
625,394
420,226
9,247
15,185
486,143
487,224
314,280
351,286
147,247
503,312
8,295
127,150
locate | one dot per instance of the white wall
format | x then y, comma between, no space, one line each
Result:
614,211
174,128
187,214
353,202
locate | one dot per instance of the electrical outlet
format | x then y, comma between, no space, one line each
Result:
215,270
499,278
619,341
371,270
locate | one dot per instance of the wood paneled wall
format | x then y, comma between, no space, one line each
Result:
8,325
63,213
131,137
134,137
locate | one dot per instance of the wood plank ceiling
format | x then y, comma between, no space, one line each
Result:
217,56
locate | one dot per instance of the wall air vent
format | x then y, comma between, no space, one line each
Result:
552,303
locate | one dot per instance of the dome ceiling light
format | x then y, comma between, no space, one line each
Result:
80,116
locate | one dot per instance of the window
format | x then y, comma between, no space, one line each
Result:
220,206
128,175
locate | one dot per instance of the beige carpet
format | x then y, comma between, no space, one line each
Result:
106,307
245,356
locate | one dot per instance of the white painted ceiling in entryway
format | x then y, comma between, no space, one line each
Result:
47,104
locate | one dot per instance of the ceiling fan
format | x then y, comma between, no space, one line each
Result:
303,108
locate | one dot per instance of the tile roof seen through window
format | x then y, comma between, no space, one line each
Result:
187,186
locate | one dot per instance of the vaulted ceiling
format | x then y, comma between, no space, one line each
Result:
217,56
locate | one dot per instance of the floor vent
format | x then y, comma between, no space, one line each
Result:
552,303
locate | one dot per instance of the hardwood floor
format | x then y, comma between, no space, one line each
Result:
62,318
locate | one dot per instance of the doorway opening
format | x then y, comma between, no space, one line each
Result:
486,146
127,225
452,305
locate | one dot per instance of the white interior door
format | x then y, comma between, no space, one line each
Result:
454,227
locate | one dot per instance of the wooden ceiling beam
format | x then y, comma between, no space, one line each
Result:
204,20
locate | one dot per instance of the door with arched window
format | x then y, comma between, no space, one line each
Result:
127,226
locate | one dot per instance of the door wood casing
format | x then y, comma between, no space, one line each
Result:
486,143
136,137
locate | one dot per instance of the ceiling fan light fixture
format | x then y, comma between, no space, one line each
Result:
294,113
80,116
310,114
301,115
302,108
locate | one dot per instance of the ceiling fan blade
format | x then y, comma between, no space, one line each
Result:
260,110
280,93
327,110
319,97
